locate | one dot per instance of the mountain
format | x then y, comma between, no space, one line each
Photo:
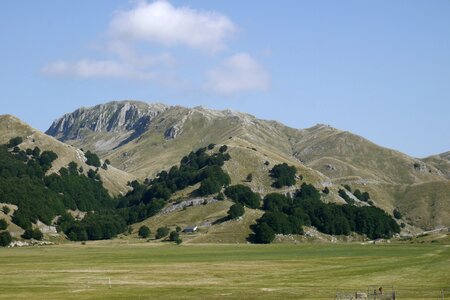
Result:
143,139
114,179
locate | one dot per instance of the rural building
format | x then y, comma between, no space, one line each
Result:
190,229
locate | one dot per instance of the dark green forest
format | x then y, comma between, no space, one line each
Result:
287,215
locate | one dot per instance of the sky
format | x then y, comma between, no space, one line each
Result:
380,69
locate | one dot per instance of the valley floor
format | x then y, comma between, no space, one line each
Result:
138,270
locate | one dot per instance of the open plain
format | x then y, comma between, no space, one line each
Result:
127,269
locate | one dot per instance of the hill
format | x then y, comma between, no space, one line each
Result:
143,139
114,179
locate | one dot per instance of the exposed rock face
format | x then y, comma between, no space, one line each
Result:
117,117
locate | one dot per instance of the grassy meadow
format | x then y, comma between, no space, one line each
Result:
139,270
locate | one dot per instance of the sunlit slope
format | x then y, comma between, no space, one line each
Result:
114,179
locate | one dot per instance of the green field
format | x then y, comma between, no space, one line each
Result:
165,271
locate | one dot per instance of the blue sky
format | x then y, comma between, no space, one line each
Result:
380,69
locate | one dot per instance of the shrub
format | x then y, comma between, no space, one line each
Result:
326,190
5,238
144,231
161,232
211,146
236,210
249,177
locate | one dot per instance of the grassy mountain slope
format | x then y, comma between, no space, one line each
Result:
440,162
114,179
212,229
323,155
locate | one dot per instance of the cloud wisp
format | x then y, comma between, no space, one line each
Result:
86,68
238,73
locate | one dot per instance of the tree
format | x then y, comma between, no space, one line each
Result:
326,190
244,195
283,174
28,234
263,234
223,149
220,196
161,232
5,238
174,236
365,196
92,159
357,193
276,202
144,231
236,210
3,224
211,146
6,210
15,142
37,234
36,152
397,214
73,168
46,159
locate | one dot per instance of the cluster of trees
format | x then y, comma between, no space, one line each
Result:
362,196
32,234
244,195
39,197
174,236
283,174
287,215
197,167
22,183
92,159
98,225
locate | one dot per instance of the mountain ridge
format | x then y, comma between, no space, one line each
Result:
324,155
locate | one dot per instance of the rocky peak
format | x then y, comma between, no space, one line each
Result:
117,116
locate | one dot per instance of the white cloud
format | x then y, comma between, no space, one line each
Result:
238,73
160,22
96,68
